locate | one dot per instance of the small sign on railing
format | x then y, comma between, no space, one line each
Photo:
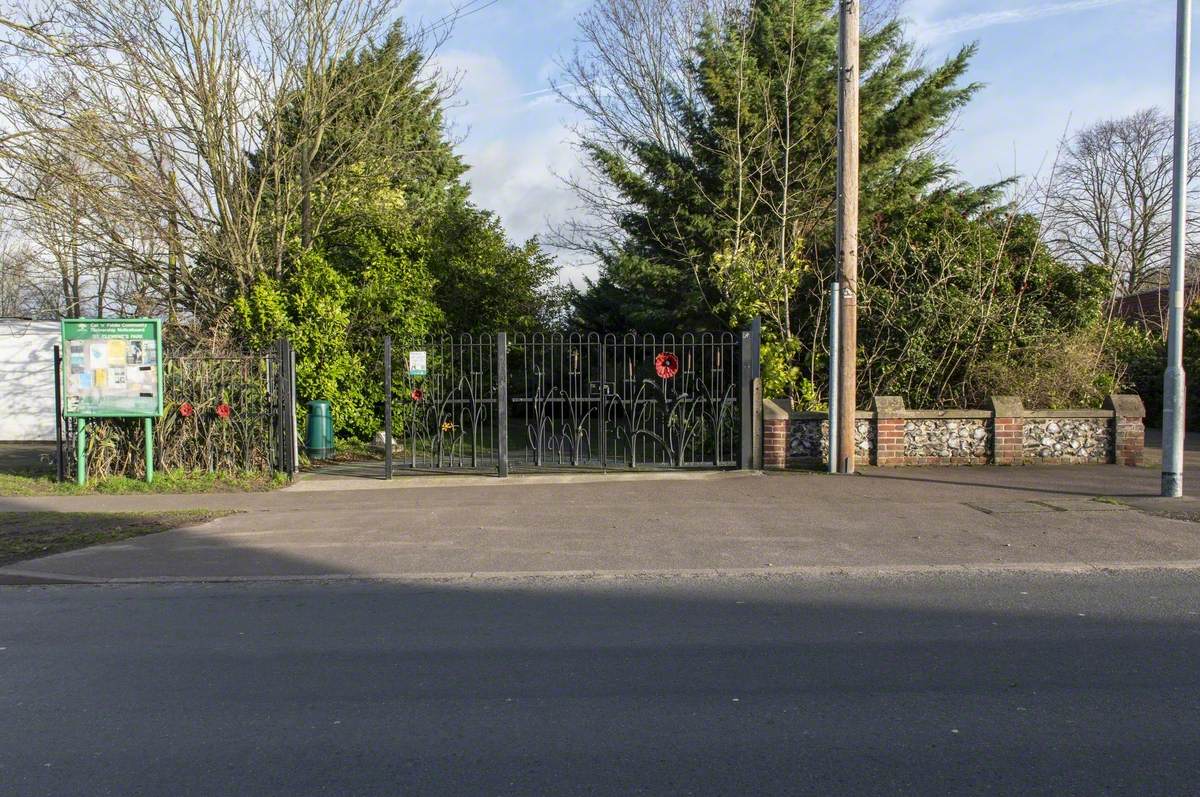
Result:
417,363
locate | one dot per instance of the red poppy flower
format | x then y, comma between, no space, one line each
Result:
417,395
186,409
223,411
666,365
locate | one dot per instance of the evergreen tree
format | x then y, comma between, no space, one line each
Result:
485,283
759,165
388,242
955,288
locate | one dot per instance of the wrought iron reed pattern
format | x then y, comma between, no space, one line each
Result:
253,437
570,401
448,417
601,401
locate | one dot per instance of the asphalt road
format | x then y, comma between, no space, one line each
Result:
925,685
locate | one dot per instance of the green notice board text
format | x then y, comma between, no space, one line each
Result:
112,367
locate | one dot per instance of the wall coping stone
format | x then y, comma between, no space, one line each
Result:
859,415
936,414
1006,406
889,406
1081,413
776,409
1126,405
949,414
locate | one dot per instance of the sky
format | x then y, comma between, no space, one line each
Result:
1049,67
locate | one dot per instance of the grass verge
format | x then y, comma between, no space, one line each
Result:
170,481
27,535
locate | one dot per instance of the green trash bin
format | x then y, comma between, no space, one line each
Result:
319,441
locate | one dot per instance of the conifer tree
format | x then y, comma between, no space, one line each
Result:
758,166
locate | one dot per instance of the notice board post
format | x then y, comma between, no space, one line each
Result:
112,368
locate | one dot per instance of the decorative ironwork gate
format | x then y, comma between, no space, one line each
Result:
447,417
537,402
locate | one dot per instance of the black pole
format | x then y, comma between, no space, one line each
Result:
281,409
756,392
387,406
285,399
603,407
61,465
751,337
502,403
293,432
277,376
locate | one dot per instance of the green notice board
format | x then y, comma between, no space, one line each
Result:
112,367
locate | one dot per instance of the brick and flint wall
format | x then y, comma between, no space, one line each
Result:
1005,433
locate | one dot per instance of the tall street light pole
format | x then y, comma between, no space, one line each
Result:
1174,380
847,230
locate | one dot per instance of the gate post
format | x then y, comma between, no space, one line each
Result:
285,404
59,453
502,403
748,414
293,430
603,419
281,407
387,406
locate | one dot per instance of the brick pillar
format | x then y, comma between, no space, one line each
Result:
1129,430
889,431
1008,430
775,430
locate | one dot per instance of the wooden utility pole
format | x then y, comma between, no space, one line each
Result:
847,234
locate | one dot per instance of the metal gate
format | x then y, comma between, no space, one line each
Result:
548,402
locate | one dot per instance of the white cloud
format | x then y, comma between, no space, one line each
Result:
516,178
516,142
929,24
482,81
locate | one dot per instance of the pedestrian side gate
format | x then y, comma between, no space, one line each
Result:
550,401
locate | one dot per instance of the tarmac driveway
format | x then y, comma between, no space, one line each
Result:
1040,517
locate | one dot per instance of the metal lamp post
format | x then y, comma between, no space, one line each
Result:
1174,380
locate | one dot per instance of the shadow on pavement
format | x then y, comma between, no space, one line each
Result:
27,458
1080,480
1015,684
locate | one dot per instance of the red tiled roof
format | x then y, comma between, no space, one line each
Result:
1149,308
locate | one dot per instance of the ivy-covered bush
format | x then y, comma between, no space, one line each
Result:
392,245
364,279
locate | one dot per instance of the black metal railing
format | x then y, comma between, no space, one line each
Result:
446,417
548,401
229,413
624,401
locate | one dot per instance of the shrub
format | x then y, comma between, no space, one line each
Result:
1059,372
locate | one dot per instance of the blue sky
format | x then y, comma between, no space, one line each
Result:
1045,64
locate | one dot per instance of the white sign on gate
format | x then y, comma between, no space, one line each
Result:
417,363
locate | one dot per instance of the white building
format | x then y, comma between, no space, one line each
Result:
27,379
